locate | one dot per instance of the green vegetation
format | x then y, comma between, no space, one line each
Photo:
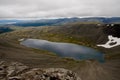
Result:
43,52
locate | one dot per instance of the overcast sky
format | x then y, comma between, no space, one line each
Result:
58,8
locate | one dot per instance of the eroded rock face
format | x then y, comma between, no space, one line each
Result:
10,69
112,29
18,71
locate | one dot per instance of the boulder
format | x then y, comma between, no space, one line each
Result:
18,71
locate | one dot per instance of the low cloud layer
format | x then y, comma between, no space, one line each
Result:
58,8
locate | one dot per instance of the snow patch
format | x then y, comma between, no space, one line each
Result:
113,42
21,39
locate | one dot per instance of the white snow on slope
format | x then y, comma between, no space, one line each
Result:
113,42
21,39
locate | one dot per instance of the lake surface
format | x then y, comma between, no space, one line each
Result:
65,49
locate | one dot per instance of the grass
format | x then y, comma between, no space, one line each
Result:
5,44
43,52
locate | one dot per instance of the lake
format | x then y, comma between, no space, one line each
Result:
70,50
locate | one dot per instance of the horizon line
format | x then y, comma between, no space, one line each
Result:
35,18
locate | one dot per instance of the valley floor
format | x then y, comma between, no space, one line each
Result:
11,50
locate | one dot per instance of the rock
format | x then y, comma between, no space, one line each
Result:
15,78
18,71
50,74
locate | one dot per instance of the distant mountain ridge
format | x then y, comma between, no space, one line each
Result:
5,29
9,21
60,21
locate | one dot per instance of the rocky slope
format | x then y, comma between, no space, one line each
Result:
113,29
18,71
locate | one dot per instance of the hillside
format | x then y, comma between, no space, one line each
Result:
83,34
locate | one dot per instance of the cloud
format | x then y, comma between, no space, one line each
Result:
58,8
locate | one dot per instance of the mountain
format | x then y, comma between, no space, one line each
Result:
83,34
53,22
5,29
60,21
2,22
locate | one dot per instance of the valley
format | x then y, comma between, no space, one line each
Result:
83,34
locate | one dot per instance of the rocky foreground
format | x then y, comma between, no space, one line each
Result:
19,71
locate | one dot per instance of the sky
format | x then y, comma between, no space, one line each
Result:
58,8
